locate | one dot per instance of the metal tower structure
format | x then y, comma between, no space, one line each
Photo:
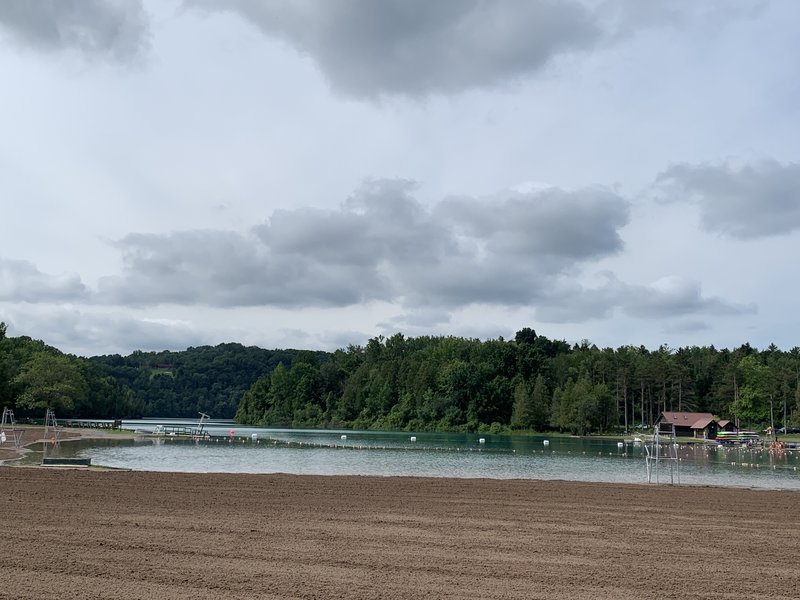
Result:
204,418
51,429
662,449
8,429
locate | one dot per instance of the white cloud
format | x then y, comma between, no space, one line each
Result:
87,331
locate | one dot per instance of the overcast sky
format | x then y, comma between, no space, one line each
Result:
314,173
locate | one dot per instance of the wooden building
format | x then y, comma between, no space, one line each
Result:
699,425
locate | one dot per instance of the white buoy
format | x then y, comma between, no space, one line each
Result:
344,437
413,438
546,442
482,440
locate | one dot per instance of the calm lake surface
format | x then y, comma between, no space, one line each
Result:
239,449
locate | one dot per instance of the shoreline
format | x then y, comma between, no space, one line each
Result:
15,458
137,534
9,454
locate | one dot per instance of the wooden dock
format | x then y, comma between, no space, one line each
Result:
92,423
66,462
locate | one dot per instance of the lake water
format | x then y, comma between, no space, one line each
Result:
240,449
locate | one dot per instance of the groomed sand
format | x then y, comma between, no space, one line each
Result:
110,534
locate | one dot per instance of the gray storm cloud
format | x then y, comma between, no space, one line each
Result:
564,224
21,281
117,29
226,269
419,47
673,297
754,200
667,298
381,244
414,47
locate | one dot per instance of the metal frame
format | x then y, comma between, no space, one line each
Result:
663,435
204,418
8,420
50,424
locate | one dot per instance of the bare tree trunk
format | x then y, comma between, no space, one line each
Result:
643,413
772,419
784,411
672,395
625,403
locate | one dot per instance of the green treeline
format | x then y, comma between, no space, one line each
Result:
529,383
207,379
419,384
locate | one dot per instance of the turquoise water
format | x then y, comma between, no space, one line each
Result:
324,452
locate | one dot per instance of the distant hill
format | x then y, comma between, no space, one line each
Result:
209,379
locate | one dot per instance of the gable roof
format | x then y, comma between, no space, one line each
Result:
702,423
692,420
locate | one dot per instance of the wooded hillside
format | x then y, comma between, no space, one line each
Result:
531,382
206,379
423,383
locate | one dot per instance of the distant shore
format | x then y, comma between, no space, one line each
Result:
101,534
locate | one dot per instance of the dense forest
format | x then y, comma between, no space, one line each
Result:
205,379
424,383
529,383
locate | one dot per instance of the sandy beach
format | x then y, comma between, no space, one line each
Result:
71,533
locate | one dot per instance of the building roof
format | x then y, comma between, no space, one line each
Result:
702,423
692,420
